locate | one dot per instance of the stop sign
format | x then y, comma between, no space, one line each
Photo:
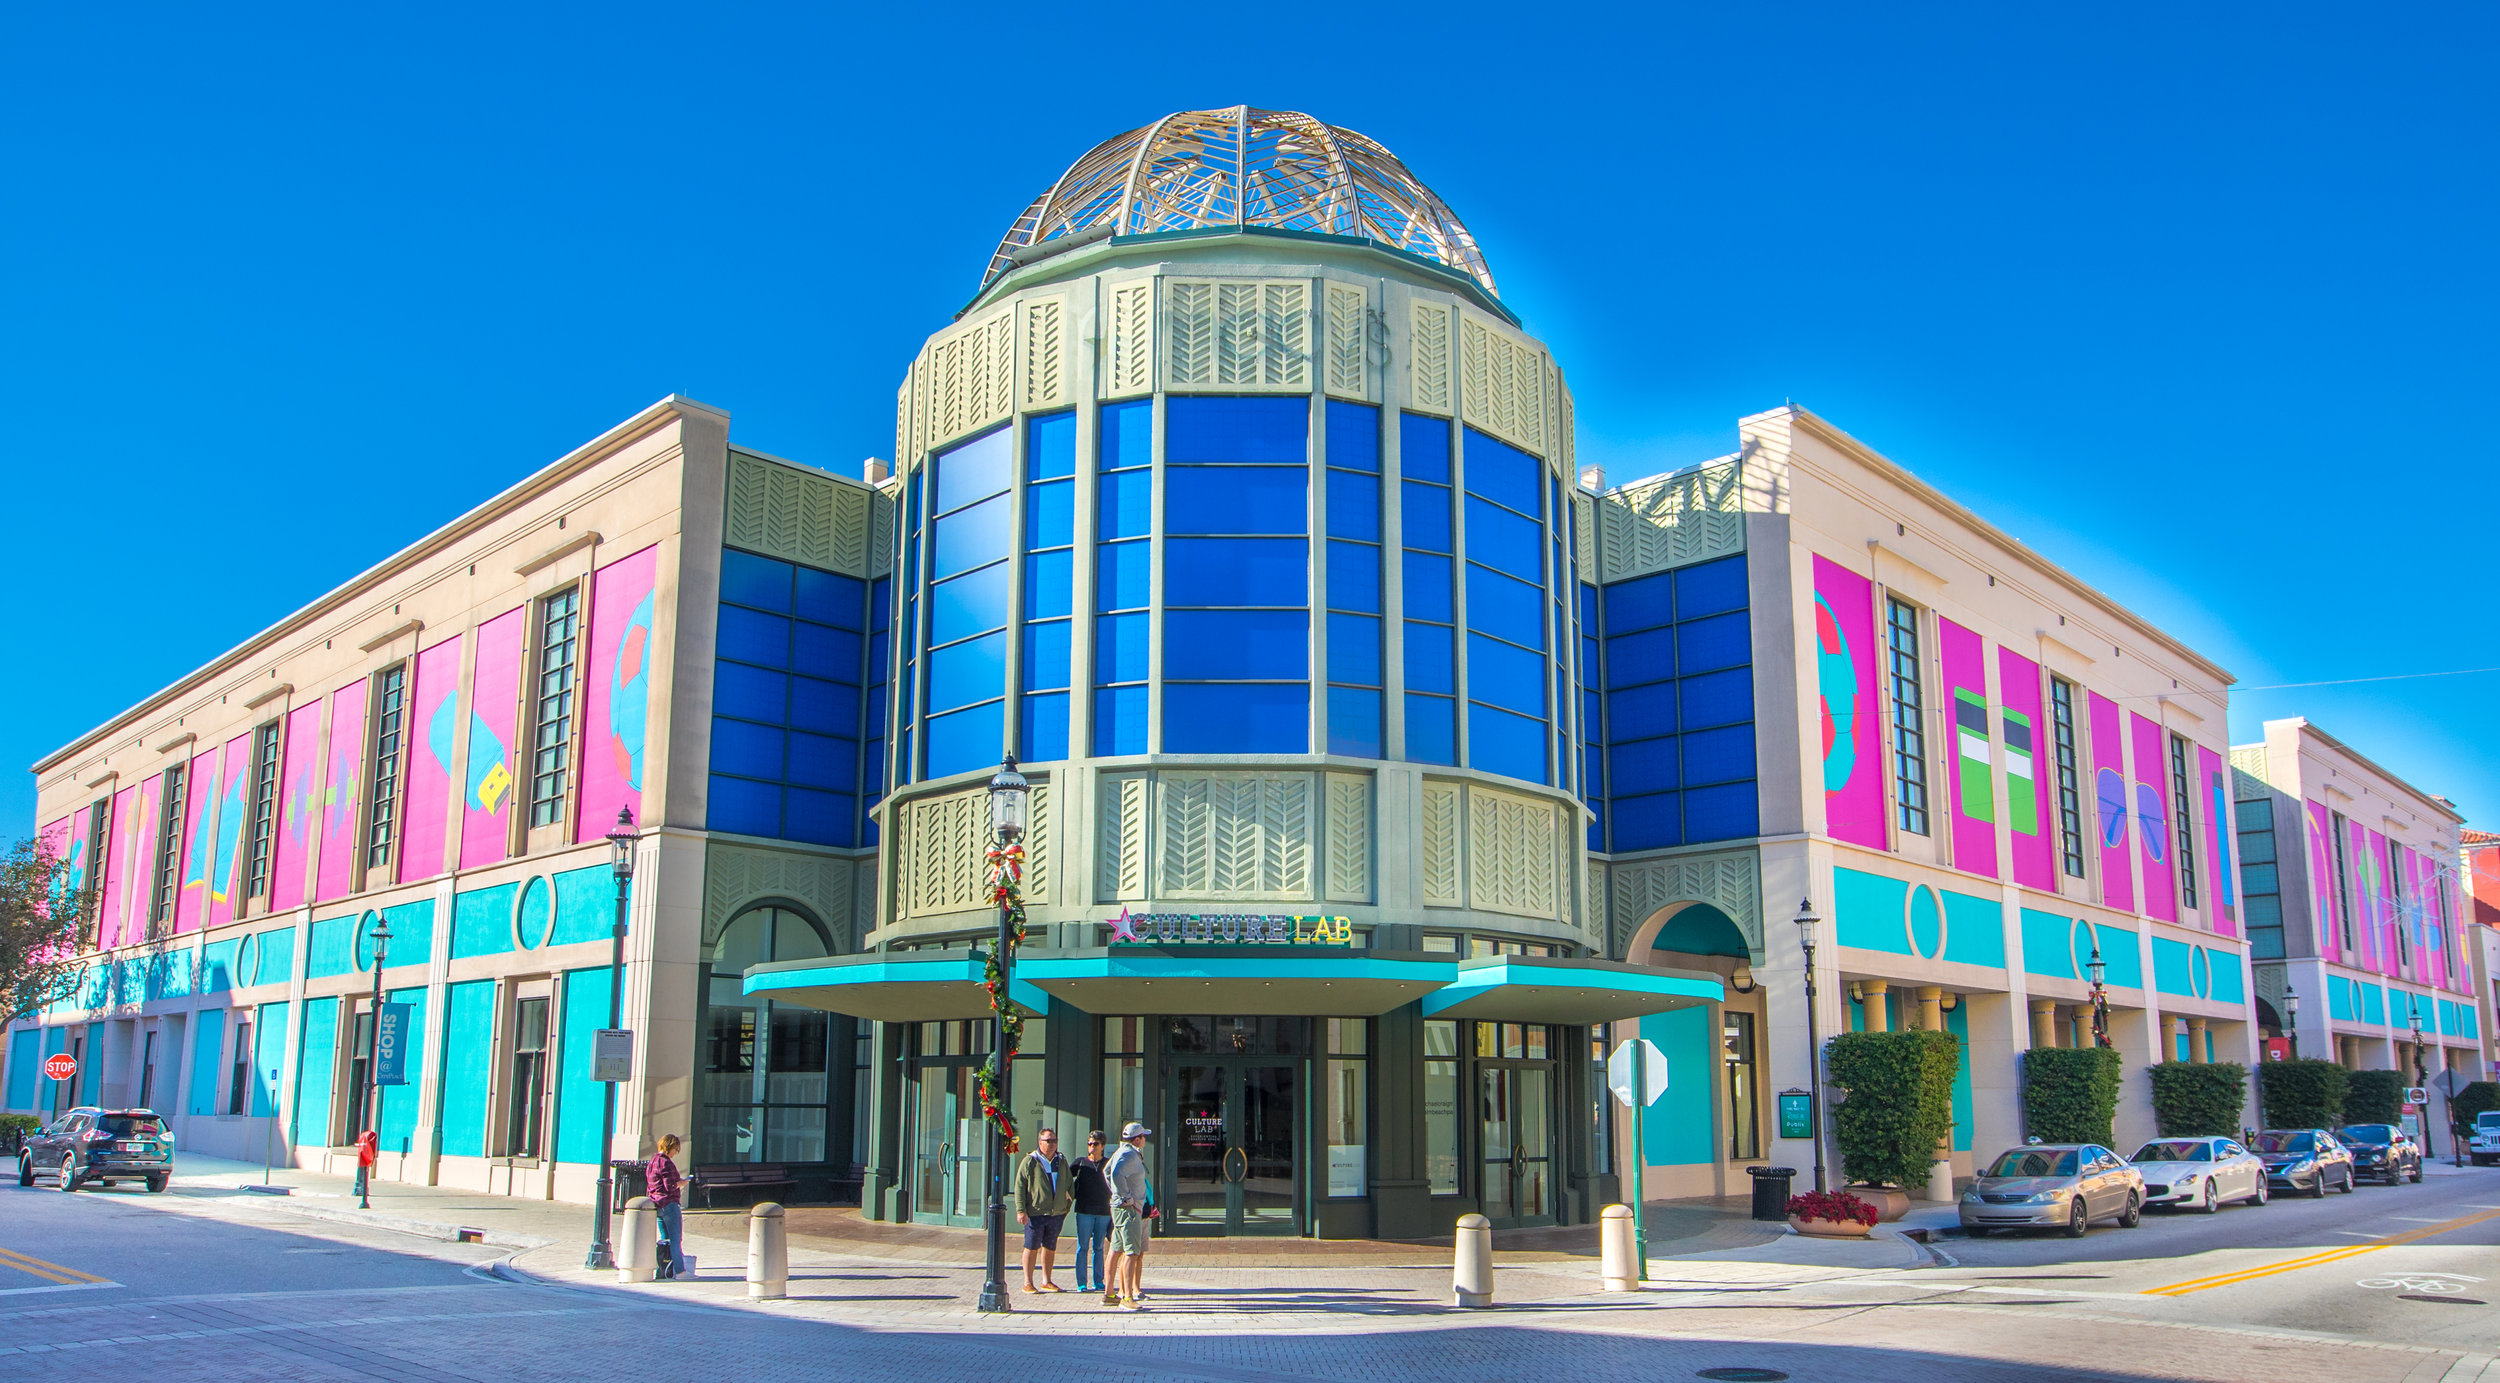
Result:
60,1066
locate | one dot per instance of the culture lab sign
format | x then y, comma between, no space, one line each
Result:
1225,929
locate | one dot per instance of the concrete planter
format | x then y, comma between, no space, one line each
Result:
1890,1202
1830,1229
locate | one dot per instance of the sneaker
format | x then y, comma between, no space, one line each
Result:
1111,1299
1133,1304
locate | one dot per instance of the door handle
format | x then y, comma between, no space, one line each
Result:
1230,1175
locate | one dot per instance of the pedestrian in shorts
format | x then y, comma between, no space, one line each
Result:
1044,1191
1132,1209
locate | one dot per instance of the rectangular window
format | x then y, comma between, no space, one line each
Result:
2343,886
2260,885
99,836
551,704
240,1085
1430,586
2069,777
2183,818
971,554
390,708
1744,1123
1602,1133
1507,682
1354,572
1441,1105
1123,573
1049,587
525,1115
1679,733
264,815
1236,582
168,851
2396,901
786,705
1909,725
1348,1106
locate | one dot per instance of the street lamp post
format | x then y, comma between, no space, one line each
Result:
1807,921
1007,794
369,1099
2291,1023
621,864
2421,1075
2100,997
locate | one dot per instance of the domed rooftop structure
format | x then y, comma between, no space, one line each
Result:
1231,169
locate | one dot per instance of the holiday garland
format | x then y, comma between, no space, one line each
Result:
1006,880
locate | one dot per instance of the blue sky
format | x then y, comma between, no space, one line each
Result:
280,292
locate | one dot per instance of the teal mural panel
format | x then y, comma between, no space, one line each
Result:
1866,911
1681,1128
581,1103
585,905
2049,945
467,1053
276,951
2373,1004
217,966
1926,922
1974,930
481,921
1957,1022
2340,1004
316,1071
171,974
412,935
2120,959
24,1068
268,1057
91,1070
331,948
397,1128
535,915
2229,986
208,1059
2171,967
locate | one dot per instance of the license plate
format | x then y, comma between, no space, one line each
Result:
134,1147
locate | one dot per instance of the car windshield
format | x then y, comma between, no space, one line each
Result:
2488,1119
2174,1150
2373,1135
131,1125
2035,1162
2280,1142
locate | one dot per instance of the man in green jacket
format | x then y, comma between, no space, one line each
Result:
1044,1191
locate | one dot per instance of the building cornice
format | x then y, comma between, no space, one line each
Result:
2305,726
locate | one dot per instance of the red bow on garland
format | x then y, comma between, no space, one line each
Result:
1006,880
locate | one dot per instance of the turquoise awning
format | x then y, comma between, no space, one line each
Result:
1249,981
893,987
1535,989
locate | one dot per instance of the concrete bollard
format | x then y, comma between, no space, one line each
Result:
768,1254
1472,1274
1616,1262
638,1242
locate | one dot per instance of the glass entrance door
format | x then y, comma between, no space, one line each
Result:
949,1143
1516,1105
1233,1169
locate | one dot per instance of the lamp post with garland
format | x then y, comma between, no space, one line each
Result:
1008,791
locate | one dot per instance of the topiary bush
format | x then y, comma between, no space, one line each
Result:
2307,1093
2469,1101
2374,1097
2070,1094
1900,1102
2192,1100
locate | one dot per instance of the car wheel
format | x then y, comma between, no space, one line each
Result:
2076,1224
69,1174
25,1169
2211,1204
2261,1194
2351,1182
2133,1215
2317,1188
2417,1173
157,1183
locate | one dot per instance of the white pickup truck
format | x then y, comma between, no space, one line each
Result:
2484,1148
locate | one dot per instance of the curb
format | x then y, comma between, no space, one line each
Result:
426,1229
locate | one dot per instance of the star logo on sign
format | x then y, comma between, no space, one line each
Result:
1124,927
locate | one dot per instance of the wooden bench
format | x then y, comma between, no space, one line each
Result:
740,1176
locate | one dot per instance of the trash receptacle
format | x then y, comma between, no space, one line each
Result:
628,1178
1770,1191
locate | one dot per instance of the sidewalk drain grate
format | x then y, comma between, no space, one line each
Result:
473,1236
1743,1375
2445,1301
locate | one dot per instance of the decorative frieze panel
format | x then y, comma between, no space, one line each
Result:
941,851
1238,334
1120,839
882,517
1729,880
737,877
1594,920
1346,322
1584,531
783,511
2250,759
1672,521
906,427
1440,846
1513,864
1502,389
1130,368
1233,835
967,380
1567,439
1349,838
1428,358
1045,373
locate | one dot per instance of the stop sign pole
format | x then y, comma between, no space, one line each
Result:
1637,1074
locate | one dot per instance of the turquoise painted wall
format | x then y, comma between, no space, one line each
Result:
91,1070
268,1055
217,966
1866,911
2229,984
2339,1000
1957,1022
581,1103
412,935
208,1060
2373,1004
330,948
2171,962
23,1068
2120,959
585,905
1701,930
1681,1128
1974,930
316,1071
276,951
468,1048
481,921
397,1128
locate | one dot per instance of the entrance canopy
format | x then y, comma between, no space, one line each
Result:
894,987
1536,989
1250,981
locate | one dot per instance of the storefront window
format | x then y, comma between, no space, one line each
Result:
1744,1135
1441,1105
1123,1073
766,1085
1348,1076
1601,1101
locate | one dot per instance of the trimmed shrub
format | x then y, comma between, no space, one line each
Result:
2469,1101
2374,1097
13,1131
2070,1094
2307,1093
1900,1102
2198,1101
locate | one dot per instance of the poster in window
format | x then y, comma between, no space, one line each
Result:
225,883
200,786
299,806
2322,889
2156,835
618,688
2219,876
1844,641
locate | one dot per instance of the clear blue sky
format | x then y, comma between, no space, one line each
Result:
281,292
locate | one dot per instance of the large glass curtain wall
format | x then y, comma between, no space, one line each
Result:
1237,575
1679,730
787,722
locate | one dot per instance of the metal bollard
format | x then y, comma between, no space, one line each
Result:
1617,1263
768,1254
638,1242
1472,1274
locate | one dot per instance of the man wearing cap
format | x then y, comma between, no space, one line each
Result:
1131,1197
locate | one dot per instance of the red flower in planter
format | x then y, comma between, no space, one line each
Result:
1832,1205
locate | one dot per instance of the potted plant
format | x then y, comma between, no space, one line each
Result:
1831,1215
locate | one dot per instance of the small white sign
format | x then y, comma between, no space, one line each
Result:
1653,1073
1345,1170
2416,1095
612,1055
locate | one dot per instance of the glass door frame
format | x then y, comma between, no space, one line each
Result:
1233,1067
1551,1157
939,1078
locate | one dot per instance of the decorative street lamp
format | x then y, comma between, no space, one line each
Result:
1007,801
2291,1022
1807,921
621,863
2421,1074
2100,997
369,1099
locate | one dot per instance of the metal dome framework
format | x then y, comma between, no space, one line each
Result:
1238,168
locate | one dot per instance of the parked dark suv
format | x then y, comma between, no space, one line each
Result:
2382,1150
102,1146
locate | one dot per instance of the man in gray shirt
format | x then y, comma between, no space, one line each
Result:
1132,1202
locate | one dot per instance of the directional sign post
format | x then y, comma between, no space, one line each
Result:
1637,1073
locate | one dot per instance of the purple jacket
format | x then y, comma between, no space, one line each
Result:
665,1187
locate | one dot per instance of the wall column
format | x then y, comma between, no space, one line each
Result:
1931,1008
2200,1050
1878,1013
2044,1022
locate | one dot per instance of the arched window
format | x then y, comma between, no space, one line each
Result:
768,1070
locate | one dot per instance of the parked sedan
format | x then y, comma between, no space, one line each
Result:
2305,1159
2200,1172
100,1145
2382,1150
2054,1186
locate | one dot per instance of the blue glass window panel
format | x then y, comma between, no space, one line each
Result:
1643,603
1638,712
1505,676
1722,813
745,808
1427,594
1124,504
1588,608
1236,571
1503,473
1235,645
1353,505
1424,516
831,599
1706,645
1588,715
1354,577
756,638
829,707
880,604
1718,756
1120,720
966,740
1591,762
746,579
1044,735
1497,604
823,761
1050,447
970,538
1050,584
1588,656
903,766
1510,745
1500,538
1717,698
974,670
1431,729
1354,437
1120,650
1046,656
1430,662
1644,766
1237,718
974,470
1050,515
1647,823
1354,649
875,719
1236,429
821,818
1123,576
1635,659
872,773
1710,588
1354,722
877,655
1597,826
1127,436
750,751
963,606
750,693
1236,499
1424,452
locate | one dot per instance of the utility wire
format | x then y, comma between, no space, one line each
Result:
2348,681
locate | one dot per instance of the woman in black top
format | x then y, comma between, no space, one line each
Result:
1093,1213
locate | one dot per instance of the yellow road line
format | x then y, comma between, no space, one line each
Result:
10,1258
2180,1289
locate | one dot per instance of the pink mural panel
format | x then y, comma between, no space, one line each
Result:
2222,903
2372,861
2322,891
200,787
1853,745
618,687
2030,771
225,881
2156,835
487,788
117,869
341,773
2110,805
299,806
2421,919
436,727
1969,764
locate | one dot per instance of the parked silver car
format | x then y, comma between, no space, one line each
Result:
2054,1186
2200,1172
